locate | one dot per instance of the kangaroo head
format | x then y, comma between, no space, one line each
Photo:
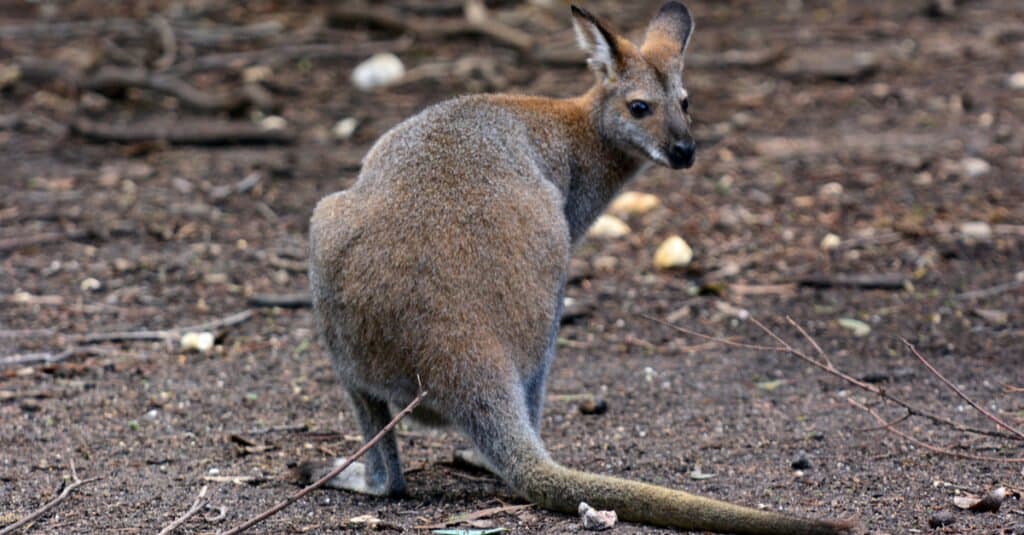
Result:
642,104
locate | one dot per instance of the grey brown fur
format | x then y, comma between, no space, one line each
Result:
445,265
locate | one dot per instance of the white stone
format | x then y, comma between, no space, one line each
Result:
673,253
595,520
200,342
978,230
831,190
90,285
608,226
344,128
634,203
273,122
1016,81
975,167
830,242
380,70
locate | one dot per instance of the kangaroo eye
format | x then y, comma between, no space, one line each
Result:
639,109
685,103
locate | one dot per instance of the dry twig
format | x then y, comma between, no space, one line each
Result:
75,483
930,447
829,368
339,469
164,335
295,300
197,506
988,414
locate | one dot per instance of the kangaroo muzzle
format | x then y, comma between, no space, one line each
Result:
682,154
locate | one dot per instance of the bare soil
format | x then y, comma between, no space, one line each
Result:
912,115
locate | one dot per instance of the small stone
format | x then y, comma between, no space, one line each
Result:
256,73
605,263
803,201
200,342
801,462
182,185
593,406
830,242
942,518
90,285
634,203
859,328
9,74
594,520
344,128
1016,81
831,190
608,226
974,167
378,71
673,253
273,122
977,230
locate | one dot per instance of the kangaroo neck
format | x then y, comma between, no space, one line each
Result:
598,167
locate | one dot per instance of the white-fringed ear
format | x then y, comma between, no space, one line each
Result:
597,41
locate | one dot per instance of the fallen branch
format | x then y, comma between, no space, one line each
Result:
184,132
110,78
988,414
295,300
75,483
29,359
337,470
164,335
197,506
867,281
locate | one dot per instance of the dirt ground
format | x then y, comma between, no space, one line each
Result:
897,129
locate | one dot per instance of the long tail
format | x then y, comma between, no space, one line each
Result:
557,488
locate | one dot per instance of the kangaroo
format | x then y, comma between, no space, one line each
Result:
444,267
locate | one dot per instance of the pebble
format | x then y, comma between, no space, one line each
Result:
1016,81
273,122
595,520
90,285
344,128
978,230
608,226
975,167
634,203
673,253
831,190
200,342
942,518
830,242
379,71
594,406
859,328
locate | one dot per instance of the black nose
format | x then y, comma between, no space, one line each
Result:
682,153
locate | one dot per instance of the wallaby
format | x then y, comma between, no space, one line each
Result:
444,266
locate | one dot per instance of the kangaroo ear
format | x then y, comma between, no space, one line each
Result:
669,31
597,41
